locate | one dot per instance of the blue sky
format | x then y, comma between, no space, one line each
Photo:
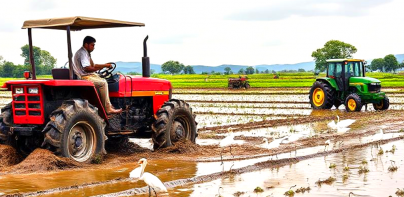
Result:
211,32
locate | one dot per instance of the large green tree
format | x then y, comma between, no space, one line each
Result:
391,63
333,49
241,71
249,70
189,70
44,61
377,64
227,70
173,67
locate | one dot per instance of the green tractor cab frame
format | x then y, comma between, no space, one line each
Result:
346,83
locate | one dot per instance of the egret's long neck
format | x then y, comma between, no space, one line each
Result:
143,167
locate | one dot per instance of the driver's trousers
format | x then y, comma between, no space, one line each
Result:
102,86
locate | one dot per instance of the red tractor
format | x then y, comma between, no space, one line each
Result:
66,116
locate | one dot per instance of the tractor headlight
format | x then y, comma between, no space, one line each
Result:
19,90
33,90
374,84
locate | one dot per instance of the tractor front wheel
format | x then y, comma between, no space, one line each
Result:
76,131
174,122
382,105
321,96
353,103
247,85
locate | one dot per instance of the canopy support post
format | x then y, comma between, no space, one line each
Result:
31,54
69,51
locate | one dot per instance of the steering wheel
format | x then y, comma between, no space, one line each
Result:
107,72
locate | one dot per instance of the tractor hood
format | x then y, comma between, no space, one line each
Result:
364,80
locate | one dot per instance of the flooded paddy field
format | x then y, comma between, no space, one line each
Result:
302,158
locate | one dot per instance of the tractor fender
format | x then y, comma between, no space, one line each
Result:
329,81
90,93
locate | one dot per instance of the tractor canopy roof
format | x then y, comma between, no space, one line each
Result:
77,23
345,60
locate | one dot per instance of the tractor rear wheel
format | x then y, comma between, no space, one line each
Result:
383,105
353,102
76,131
6,119
321,96
174,122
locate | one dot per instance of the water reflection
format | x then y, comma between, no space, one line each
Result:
377,182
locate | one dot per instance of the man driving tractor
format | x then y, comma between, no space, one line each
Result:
85,68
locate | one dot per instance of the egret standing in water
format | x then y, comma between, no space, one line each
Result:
135,174
327,143
152,181
227,141
341,126
377,137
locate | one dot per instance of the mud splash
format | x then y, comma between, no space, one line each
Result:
8,156
180,147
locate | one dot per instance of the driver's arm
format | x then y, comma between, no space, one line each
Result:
94,67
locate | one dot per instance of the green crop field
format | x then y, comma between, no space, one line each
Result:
303,79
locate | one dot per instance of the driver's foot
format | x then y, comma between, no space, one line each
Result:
114,111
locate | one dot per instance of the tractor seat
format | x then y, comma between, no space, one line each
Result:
62,73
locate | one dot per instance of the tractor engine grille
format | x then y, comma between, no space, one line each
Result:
27,104
374,87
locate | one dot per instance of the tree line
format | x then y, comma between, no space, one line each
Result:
44,63
175,67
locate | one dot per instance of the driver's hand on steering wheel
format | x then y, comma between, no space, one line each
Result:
108,65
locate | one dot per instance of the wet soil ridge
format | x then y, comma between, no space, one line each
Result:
213,176
317,117
251,114
41,160
180,147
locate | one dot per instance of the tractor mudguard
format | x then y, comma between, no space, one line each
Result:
329,81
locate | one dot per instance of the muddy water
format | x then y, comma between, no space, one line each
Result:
35,182
168,171
377,182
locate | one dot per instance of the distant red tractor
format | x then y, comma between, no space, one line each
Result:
66,116
241,82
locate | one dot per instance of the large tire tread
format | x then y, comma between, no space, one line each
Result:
329,94
61,117
165,118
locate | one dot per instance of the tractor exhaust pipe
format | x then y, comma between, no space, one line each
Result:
145,60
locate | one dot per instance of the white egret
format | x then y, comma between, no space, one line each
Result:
291,138
265,144
378,136
340,126
327,143
227,141
274,144
135,174
152,181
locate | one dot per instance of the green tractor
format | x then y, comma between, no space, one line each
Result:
346,83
